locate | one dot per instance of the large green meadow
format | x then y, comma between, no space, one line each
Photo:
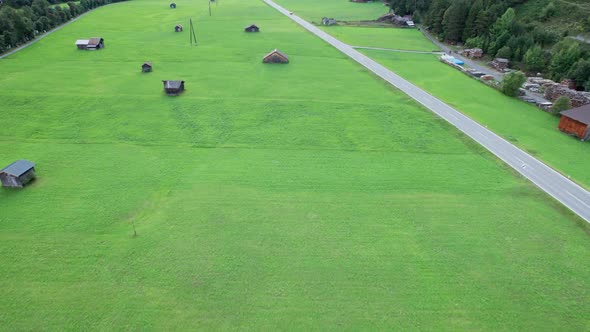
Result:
307,196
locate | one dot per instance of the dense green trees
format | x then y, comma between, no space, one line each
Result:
512,82
22,20
492,25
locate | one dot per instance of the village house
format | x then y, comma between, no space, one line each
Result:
576,121
17,174
275,56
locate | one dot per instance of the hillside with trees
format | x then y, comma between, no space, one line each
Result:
22,20
536,35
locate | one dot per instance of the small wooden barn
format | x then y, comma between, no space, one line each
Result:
173,88
17,174
576,122
275,56
92,44
178,28
252,28
146,67
328,21
173,5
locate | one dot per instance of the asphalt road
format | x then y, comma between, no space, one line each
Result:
556,185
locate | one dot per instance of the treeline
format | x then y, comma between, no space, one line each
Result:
492,26
22,20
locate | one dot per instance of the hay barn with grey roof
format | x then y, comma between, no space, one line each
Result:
146,67
576,122
17,174
173,88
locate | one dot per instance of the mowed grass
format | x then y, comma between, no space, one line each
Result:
295,197
524,125
393,38
345,10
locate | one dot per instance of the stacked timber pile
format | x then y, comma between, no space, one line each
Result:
395,19
475,53
555,90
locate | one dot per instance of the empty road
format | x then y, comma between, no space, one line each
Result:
558,186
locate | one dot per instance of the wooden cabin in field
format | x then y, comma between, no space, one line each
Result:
252,28
576,122
178,28
92,44
173,5
328,21
17,174
275,56
173,88
146,67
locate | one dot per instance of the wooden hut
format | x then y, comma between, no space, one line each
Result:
576,122
146,67
252,28
178,28
17,174
275,56
94,43
82,44
173,88
173,5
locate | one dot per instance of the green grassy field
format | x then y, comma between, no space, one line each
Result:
524,125
303,196
394,38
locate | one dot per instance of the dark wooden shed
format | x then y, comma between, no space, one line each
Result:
173,88
276,56
576,122
146,67
252,28
178,28
173,5
17,174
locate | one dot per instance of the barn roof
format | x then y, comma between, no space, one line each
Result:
18,167
172,84
94,41
275,51
580,114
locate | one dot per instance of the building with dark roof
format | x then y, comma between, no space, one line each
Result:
146,67
275,56
173,5
173,88
178,28
576,122
17,174
252,28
